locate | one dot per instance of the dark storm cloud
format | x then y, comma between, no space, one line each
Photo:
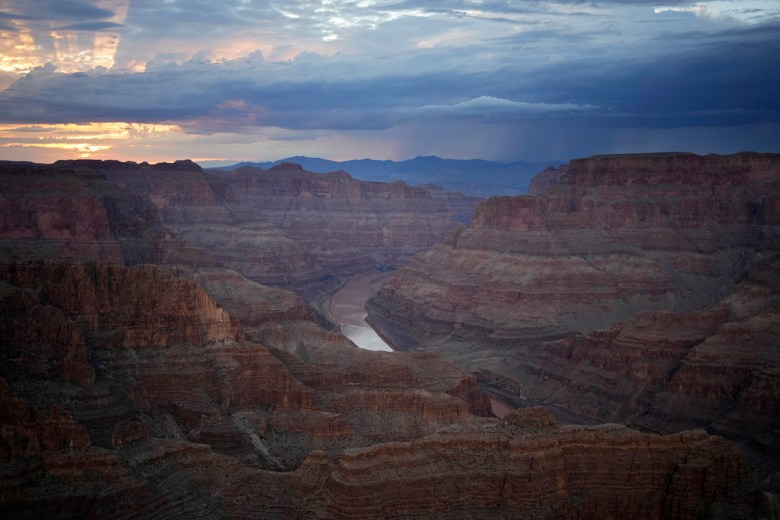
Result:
729,79
229,94
426,71
719,82
55,10
91,26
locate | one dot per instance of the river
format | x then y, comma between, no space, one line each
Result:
346,308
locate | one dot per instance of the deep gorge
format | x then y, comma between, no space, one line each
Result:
164,354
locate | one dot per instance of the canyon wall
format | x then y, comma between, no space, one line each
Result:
616,235
631,288
186,390
290,228
283,227
129,392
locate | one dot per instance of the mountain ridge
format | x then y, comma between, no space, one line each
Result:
469,176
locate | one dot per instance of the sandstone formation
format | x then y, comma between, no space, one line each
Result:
283,227
187,390
617,235
522,467
461,205
135,395
632,288
290,228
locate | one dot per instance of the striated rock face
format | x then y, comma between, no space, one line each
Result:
633,288
538,471
181,425
716,368
523,467
137,356
71,210
54,209
116,307
341,224
615,236
27,431
284,227
136,353
291,228
190,391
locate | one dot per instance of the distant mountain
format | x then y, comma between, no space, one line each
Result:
472,177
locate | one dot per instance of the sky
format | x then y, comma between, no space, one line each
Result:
505,80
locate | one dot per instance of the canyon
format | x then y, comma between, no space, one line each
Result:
640,289
163,356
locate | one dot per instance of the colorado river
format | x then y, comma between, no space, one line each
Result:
346,307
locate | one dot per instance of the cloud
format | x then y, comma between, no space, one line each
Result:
486,105
55,10
698,9
389,68
91,26
717,84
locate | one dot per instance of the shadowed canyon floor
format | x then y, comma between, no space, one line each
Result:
146,372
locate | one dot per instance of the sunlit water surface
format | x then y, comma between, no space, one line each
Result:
347,309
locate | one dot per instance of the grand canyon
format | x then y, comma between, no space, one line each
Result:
605,346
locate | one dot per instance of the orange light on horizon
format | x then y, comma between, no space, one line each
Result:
83,149
81,139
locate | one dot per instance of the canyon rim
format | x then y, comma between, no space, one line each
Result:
164,355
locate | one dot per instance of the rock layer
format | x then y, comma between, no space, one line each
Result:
523,467
138,343
291,228
133,391
615,236
632,288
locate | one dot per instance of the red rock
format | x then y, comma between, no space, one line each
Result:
235,406
288,227
633,288
124,307
27,431
165,408
125,433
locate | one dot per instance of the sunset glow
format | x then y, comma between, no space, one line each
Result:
70,141
249,80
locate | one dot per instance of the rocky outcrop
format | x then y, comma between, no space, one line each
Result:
716,368
190,391
523,467
28,431
291,228
461,206
283,227
635,288
115,307
540,471
118,346
169,425
342,224
56,211
546,178
614,237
